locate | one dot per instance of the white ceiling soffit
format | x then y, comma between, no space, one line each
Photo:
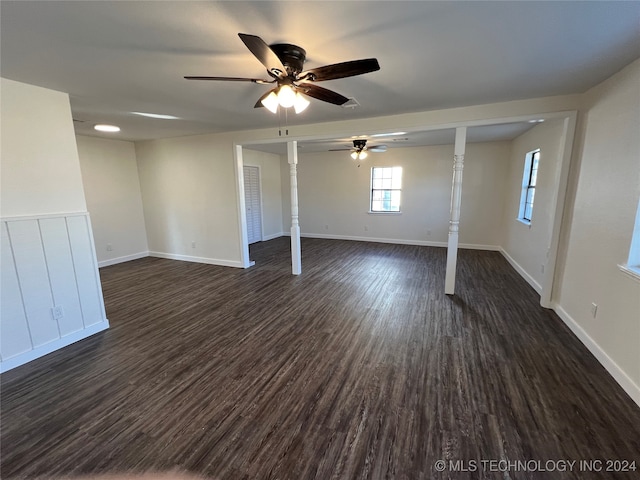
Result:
114,58
486,133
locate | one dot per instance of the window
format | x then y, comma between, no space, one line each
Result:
633,262
386,187
529,179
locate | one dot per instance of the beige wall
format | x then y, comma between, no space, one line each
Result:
334,195
527,245
40,166
189,195
604,209
271,189
188,183
112,188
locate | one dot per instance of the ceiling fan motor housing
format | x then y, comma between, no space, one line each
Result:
284,63
359,144
291,56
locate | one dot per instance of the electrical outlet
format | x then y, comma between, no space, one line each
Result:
542,268
57,312
109,247
366,228
326,227
428,233
594,310
193,244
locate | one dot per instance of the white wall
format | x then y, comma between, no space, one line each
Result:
40,168
285,184
527,245
606,198
189,194
271,190
189,187
112,190
48,257
334,193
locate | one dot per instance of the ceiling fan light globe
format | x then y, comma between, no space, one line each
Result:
271,102
286,96
354,155
300,103
363,155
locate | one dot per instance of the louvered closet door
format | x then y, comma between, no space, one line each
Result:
252,203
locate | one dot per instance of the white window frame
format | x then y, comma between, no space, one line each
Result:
632,267
372,190
527,186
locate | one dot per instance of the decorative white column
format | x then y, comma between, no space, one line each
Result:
296,255
456,199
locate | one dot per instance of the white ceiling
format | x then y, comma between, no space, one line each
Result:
117,57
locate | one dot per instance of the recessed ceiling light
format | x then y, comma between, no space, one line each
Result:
106,128
388,134
156,115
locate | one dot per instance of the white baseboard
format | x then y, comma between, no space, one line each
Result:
373,239
271,237
126,258
43,350
605,360
399,241
476,246
189,258
523,273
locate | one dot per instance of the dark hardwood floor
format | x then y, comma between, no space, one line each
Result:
360,368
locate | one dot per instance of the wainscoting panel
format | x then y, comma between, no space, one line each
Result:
51,288
86,268
14,331
33,277
55,240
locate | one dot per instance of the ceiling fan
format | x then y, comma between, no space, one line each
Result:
360,149
284,64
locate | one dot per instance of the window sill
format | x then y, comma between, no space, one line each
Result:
633,272
384,213
524,222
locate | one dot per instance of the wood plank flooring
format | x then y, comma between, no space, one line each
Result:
360,368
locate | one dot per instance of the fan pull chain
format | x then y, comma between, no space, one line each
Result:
286,121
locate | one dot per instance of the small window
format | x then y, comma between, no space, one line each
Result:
386,187
529,179
634,252
632,267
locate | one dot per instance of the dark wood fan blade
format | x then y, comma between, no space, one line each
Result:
341,70
378,149
263,52
322,94
231,79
